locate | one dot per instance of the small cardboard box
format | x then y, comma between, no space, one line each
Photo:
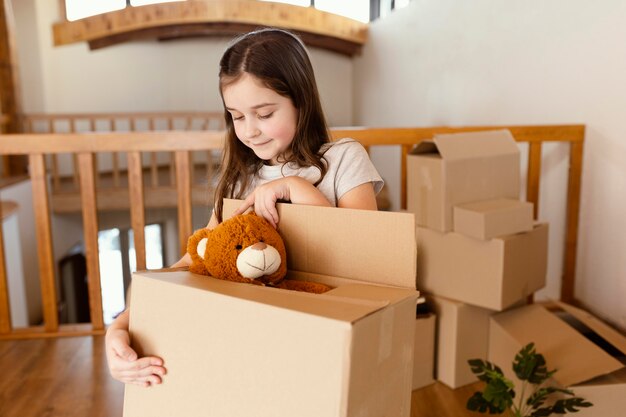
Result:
492,274
424,362
492,218
453,169
235,350
462,334
587,354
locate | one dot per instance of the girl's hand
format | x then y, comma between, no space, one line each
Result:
124,364
294,189
264,199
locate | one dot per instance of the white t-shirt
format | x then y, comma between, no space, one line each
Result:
348,166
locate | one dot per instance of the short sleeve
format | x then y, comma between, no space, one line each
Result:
350,166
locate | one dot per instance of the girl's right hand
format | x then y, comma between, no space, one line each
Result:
124,364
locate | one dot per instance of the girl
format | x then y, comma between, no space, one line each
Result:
277,149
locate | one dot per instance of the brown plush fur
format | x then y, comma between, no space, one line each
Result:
228,239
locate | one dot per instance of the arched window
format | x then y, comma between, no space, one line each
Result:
361,10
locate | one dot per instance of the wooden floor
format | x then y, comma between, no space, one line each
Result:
68,377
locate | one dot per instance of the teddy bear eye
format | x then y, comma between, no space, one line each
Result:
238,247
262,240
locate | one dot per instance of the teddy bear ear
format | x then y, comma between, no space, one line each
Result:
201,248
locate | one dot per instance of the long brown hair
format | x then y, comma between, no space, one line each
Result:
279,60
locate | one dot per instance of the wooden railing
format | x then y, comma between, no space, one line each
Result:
87,145
111,179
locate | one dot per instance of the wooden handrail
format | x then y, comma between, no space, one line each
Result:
87,145
116,121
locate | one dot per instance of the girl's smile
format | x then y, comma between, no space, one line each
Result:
263,120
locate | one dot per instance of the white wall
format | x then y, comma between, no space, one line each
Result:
143,75
445,62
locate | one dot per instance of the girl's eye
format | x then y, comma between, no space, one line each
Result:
266,116
237,117
238,247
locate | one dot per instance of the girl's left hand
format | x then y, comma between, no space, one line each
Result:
264,199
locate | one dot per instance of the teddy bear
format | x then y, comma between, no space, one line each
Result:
245,248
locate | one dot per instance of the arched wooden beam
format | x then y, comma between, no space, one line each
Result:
193,18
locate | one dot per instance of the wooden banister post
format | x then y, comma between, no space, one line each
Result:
5,310
573,207
534,175
137,208
183,187
44,242
90,233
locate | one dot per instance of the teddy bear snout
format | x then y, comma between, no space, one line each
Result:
258,260
258,246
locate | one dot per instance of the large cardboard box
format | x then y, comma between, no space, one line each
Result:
424,348
235,350
462,334
492,218
588,354
492,274
460,168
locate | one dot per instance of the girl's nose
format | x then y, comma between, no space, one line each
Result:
251,130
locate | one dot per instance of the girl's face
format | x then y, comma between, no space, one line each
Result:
264,120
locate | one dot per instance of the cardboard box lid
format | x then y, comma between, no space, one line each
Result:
494,205
576,358
602,329
365,245
456,146
333,306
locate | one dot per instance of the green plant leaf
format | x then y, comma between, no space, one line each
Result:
499,392
537,399
563,406
478,403
531,366
485,371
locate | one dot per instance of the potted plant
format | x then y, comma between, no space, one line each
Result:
530,368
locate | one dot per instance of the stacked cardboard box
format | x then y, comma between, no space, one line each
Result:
478,249
245,350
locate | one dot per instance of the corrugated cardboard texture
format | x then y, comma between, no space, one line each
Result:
380,375
461,168
369,246
493,218
235,350
424,346
462,334
492,274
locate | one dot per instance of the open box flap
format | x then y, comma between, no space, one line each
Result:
483,144
425,147
608,333
575,358
365,245
338,307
